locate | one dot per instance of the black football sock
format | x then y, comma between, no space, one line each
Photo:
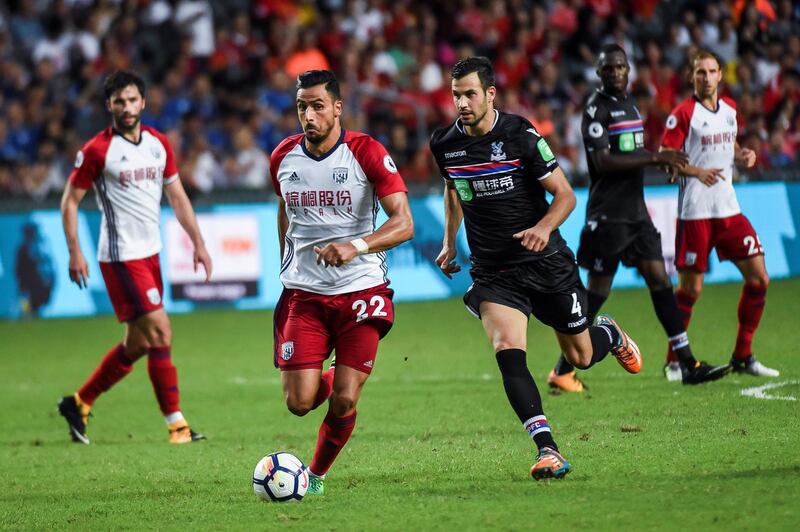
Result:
603,337
562,366
524,396
595,302
670,317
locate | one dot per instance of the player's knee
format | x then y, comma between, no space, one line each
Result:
759,281
696,290
135,351
160,335
343,403
298,407
657,282
693,290
503,343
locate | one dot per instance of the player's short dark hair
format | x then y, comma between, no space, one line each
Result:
478,64
120,79
705,54
611,48
312,78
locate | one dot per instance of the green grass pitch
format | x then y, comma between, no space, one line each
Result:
436,446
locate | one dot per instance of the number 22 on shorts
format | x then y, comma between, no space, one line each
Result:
373,309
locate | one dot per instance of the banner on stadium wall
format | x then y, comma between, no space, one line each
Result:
242,240
233,241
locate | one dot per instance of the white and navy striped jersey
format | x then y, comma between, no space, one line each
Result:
128,179
332,198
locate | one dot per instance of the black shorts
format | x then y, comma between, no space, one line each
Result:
548,288
604,245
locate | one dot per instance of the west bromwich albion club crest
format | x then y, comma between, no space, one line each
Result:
497,151
155,152
287,350
340,175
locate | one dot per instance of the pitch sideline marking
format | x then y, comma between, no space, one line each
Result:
760,392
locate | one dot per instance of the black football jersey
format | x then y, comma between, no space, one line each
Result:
497,177
613,124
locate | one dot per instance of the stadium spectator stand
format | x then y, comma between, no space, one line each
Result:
218,67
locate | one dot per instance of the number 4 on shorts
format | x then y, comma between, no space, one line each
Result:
576,307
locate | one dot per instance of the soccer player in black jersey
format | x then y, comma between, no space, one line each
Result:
618,227
497,168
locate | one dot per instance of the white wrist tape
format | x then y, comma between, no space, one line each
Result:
361,245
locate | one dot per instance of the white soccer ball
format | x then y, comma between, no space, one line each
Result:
280,477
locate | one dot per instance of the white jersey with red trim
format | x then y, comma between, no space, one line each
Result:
332,198
128,179
709,139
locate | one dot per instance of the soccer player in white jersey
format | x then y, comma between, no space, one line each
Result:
704,126
333,269
129,165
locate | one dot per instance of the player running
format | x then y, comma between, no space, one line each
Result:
704,126
497,168
129,165
336,294
618,227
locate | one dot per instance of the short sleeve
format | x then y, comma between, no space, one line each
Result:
88,165
171,166
594,128
677,127
538,158
277,156
378,166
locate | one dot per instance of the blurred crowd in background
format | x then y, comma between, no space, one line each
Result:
221,74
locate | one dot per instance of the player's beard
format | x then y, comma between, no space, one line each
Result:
476,118
319,135
123,126
708,92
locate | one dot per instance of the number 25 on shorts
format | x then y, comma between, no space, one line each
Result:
753,245
373,309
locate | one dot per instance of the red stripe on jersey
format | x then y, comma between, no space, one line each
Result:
730,101
171,166
91,159
376,163
626,124
485,166
277,156
678,124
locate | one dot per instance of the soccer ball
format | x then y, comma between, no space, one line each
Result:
280,477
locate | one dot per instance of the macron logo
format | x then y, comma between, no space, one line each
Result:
533,132
452,154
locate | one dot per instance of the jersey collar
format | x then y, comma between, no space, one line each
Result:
607,95
460,127
115,131
696,99
324,155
